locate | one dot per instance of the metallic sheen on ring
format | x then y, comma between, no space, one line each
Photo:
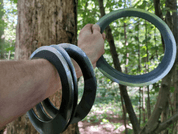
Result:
90,84
63,115
163,68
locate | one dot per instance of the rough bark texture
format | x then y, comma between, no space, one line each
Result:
117,66
42,22
166,123
153,122
170,20
158,12
175,94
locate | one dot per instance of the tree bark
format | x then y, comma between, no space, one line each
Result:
153,121
148,103
172,4
42,23
158,12
170,21
175,94
124,114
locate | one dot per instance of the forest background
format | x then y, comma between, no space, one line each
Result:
134,46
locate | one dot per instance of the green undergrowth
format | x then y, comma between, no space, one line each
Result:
107,108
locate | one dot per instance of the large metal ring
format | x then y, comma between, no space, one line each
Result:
163,68
72,69
44,124
49,107
90,84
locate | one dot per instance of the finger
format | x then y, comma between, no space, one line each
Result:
94,65
104,36
96,29
87,29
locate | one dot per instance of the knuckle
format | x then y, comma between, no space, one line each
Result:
80,33
88,24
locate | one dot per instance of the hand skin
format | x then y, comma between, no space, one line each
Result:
23,84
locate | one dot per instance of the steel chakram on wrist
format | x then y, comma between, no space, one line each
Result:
70,111
59,55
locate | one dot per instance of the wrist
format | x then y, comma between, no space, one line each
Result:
51,77
77,68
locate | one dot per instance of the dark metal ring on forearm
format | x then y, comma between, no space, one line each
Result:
72,69
49,107
163,68
90,83
45,125
90,86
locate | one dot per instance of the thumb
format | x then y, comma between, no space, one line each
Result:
104,36
96,28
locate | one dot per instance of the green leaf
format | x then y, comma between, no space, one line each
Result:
161,57
148,63
144,47
144,56
172,89
157,89
108,80
105,120
136,27
15,1
120,3
10,48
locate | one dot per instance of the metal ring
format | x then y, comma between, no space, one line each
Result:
50,108
72,69
90,84
62,117
163,68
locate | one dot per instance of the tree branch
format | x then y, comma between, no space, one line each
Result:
167,123
158,12
153,122
117,66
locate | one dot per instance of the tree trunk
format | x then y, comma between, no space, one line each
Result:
143,105
175,32
43,22
169,21
148,103
175,79
124,114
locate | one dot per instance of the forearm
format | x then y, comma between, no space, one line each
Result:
23,84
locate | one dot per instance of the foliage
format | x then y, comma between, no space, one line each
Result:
10,19
14,1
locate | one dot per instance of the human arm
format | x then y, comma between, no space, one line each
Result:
23,84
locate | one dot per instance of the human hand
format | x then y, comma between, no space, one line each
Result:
91,41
